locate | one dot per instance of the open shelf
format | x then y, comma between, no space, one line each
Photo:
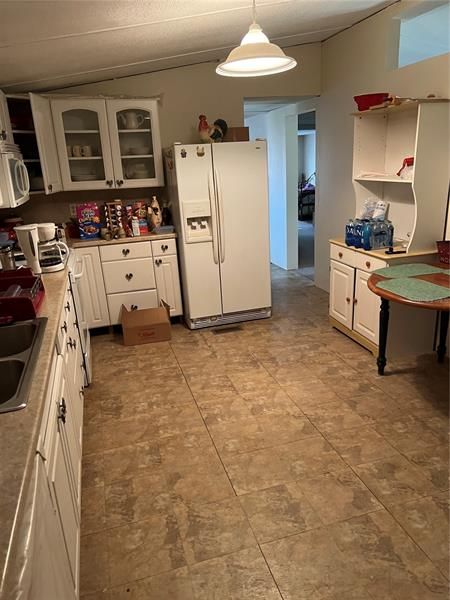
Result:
383,178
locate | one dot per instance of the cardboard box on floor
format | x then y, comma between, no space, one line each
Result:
145,325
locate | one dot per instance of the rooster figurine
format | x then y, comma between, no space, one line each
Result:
211,133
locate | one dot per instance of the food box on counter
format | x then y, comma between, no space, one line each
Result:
145,325
88,218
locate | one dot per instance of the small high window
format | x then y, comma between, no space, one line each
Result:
424,33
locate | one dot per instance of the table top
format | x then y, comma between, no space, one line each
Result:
436,278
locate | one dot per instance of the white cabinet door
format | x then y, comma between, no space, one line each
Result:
61,487
50,571
46,141
82,138
168,283
6,134
135,143
92,288
342,279
366,308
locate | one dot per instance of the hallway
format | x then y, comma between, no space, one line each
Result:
268,461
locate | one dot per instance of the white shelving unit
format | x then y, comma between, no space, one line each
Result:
383,138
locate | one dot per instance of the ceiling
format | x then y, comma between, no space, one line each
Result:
50,44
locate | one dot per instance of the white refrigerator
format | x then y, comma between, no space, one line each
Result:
219,200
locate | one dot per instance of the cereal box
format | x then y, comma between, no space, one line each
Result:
88,217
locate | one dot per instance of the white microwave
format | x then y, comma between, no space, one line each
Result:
14,181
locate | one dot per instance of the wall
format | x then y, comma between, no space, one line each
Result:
186,92
354,62
279,127
307,160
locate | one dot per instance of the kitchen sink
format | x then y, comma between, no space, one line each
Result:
17,338
19,350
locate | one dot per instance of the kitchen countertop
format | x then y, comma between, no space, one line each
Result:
381,254
19,432
77,243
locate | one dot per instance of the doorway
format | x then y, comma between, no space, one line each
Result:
306,136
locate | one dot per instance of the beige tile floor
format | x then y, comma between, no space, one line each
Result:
263,463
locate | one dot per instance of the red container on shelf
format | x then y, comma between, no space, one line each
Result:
365,101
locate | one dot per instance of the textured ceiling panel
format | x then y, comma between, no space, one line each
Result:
51,44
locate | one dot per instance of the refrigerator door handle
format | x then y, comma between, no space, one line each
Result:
212,202
221,218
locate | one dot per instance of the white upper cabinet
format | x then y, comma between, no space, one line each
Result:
108,143
5,124
82,138
135,142
46,142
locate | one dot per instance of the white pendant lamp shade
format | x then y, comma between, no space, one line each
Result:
255,56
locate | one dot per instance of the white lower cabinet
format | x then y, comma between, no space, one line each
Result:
168,282
54,555
352,304
342,283
366,315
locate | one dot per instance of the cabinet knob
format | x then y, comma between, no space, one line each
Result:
348,300
62,410
367,264
109,182
134,307
355,300
129,276
119,182
164,247
50,187
125,251
2,134
158,261
67,306
64,326
340,254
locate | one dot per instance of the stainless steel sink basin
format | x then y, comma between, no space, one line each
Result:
16,338
19,349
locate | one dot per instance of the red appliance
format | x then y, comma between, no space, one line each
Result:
21,295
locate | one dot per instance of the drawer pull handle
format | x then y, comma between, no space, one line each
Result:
129,276
347,300
355,300
340,254
368,264
158,262
109,182
64,326
164,247
119,182
126,251
62,410
134,307
67,306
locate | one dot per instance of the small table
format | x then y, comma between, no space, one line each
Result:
441,306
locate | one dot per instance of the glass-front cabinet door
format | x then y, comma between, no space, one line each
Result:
135,143
82,138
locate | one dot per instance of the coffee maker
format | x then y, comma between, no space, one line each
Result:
43,252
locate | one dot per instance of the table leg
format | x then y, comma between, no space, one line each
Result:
443,330
384,322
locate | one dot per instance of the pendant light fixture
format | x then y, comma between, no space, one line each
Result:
255,56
